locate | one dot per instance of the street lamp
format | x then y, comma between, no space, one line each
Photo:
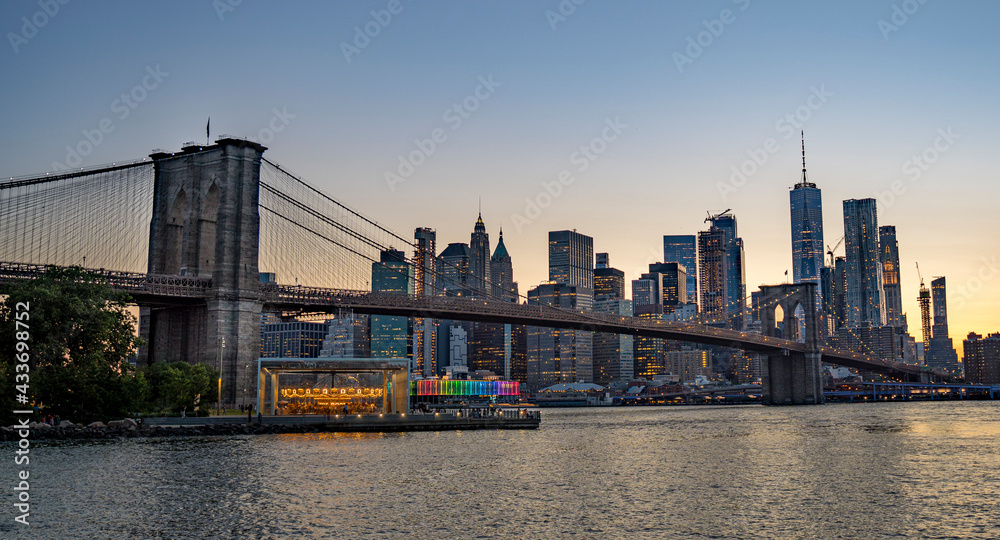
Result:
223,348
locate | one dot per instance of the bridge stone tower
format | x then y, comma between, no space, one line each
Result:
794,378
206,224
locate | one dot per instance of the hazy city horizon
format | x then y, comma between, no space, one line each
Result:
876,98
302,319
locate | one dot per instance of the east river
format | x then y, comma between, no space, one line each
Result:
891,470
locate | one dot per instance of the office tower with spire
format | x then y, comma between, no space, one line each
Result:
502,272
807,227
683,249
864,294
942,351
425,284
494,346
889,258
479,260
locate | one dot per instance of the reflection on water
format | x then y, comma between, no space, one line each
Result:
903,470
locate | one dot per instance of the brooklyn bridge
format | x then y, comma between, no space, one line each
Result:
188,234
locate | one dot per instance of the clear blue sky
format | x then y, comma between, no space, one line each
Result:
886,93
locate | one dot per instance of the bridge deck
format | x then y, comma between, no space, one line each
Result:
149,289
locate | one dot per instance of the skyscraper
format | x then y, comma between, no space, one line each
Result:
712,273
492,346
425,284
613,360
864,293
603,261
647,291
424,262
682,249
557,355
889,254
502,272
479,260
807,227
721,273
453,274
608,282
571,259
942,353
673,278
390,334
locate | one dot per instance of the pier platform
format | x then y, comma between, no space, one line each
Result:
435,421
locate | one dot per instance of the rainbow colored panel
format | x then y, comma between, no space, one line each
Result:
464,388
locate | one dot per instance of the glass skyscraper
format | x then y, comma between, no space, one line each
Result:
453,264
390,334
864,294
807,228
681,249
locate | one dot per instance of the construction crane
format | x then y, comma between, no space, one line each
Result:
830,250
712,218
924,299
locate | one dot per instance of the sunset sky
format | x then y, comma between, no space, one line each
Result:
670,97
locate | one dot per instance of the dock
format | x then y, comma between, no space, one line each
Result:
352,423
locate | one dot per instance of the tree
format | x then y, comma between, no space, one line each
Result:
80,338
178,384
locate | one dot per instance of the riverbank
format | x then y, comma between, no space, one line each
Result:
232,425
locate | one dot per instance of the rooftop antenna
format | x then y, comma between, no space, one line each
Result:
804,157
805,181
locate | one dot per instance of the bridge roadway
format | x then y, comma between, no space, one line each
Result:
298,299
147,289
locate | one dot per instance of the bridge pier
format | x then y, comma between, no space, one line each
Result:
206,223
793,378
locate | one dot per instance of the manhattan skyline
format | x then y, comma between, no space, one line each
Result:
514,90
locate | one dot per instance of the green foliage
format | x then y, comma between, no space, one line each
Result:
81,337
178,384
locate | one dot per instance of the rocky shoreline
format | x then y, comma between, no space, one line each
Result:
192,427
128,428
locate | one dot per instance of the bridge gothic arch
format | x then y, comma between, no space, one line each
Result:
794,377
206,224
